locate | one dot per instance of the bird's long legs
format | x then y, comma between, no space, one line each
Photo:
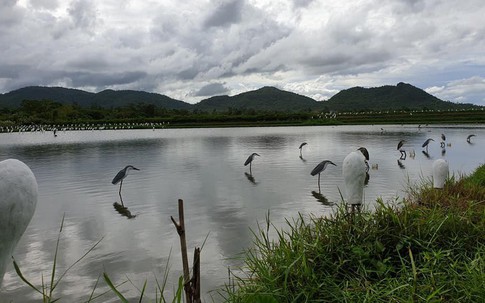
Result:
121,199
319,191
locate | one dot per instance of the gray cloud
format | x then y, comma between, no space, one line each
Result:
311,47
226,12
212,89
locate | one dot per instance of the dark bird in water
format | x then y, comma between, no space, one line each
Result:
468,139
401,150
425,144
319,168
301,146
250,160
443,139
120,176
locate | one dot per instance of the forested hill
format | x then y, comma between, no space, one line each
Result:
107,98
401,96
388,97
266,98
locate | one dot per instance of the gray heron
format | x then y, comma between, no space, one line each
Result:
468,139
319,168
120,176
440,173
426,143
354,170
18,199
249,160
301,146
443,140
401,149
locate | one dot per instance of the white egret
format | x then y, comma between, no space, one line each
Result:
354,170
18,198
122,175
250,160
440,173
319,168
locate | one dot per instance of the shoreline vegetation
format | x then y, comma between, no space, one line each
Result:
427,247
45,115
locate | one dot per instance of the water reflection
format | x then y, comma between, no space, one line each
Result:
321,198
123,210
426,155
250,178
302,159
400,164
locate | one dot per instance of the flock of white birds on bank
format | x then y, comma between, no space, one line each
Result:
18,187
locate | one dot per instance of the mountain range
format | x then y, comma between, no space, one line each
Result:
388,97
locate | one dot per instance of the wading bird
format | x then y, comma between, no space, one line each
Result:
440,173
301,146
401,149
468,139
250,160
354,170
443,140
319,168
122,175
18,198
425,144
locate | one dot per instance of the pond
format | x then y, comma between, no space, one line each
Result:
223,203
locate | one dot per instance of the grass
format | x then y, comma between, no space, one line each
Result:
431,248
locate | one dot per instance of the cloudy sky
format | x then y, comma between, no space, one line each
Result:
193,49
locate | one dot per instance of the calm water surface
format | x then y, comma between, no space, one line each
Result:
204,167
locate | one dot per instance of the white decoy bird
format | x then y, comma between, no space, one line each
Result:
18,199
354,170
440,173
249,160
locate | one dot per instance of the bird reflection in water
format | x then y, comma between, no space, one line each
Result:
426,155
443,151
123,210
321,198
401,166
250,178
302,159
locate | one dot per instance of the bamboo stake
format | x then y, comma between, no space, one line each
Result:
183,245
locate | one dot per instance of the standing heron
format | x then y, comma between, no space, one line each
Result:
443,140
401,149
468,139
354,170
319,168
301,146
122,175
18,199
425,144
250,160
440,173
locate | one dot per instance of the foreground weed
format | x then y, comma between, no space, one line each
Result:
47,290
